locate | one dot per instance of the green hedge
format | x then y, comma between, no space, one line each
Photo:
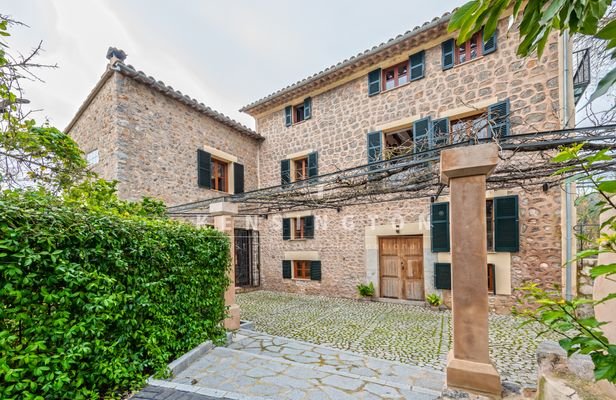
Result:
93,303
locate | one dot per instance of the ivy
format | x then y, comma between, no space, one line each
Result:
95,299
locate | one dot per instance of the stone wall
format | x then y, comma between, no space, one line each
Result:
96,129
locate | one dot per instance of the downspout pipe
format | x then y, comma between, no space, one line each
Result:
568,186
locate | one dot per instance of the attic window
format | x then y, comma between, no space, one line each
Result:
298,113
395,76
470,49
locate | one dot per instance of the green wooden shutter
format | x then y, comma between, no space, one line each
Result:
238,178
439,225
498,118
374,82
506,224
204,169
313,166
422,134
447,48
308,227
307,108
315,270
417,65
375,147
442,276
286,229
285,172
288,116
489,44
286,269
440,128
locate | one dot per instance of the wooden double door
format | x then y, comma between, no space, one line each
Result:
401,267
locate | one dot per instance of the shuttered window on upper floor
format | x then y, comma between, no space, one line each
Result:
298,113
217,174
477,46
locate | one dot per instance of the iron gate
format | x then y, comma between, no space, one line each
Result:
247,258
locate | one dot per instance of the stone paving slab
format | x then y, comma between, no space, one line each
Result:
257,365
409,334
163,393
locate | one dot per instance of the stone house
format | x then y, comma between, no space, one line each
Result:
419,89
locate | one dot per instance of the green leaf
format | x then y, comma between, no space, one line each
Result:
607,186
604,85
599,270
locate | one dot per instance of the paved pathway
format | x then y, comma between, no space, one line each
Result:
259,366
409,334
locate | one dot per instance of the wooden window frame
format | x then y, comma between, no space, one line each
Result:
298,113
303,161
215,176
298,228
301,269
467,49
395,68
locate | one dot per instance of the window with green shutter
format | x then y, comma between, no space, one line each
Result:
440,129
422,134
307,108
375,147
286,269
204,169
506,224
498,118
417,65
238,178
308,224
288,116
315,270
285,172
489,44
442,276
374,82
313,166
439,225
447,48
286,229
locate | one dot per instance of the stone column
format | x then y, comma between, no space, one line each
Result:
223,214
606,312
465,170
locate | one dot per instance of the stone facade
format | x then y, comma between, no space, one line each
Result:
148,141
344,115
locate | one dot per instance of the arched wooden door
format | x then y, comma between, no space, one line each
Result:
401,267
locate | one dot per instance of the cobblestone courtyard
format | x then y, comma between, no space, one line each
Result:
406,333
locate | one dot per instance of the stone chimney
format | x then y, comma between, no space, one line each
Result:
115,55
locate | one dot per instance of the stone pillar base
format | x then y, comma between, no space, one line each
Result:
232,323
472,376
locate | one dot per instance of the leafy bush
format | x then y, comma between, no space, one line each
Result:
434,299
365,290
93,302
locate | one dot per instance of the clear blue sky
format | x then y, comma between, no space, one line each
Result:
223,53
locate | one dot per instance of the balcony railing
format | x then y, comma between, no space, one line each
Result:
581,76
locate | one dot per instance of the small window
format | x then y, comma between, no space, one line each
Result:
299,228
396,76
300,169
298,113
301,269
92,157
398,143
469,50
220,175
491,279
475,126
490,224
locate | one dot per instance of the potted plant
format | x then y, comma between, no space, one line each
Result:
435,301
366,292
